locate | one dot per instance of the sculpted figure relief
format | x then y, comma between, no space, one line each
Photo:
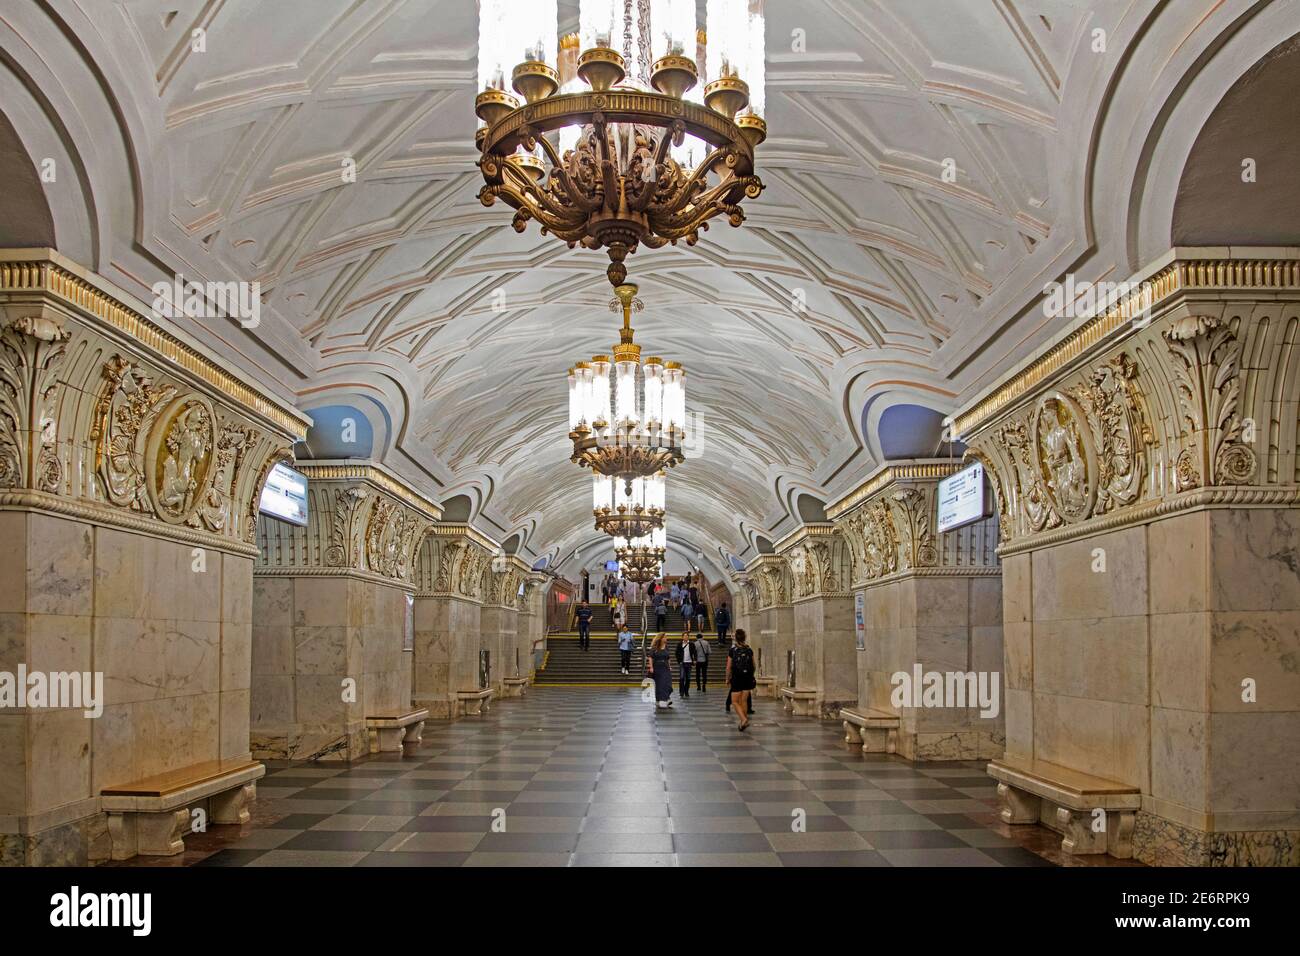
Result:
184,465
1064,456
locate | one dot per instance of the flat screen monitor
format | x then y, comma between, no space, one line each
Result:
285,495
611,565
962,499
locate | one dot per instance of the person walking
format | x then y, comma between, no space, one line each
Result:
688,614
661,609
675,595
702,651
699,616
740,678
584,625
658,668
625,647
722,621
685,658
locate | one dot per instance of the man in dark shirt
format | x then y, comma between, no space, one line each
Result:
722,618
584,625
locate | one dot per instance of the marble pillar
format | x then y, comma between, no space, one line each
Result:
823,629
1147,480
931,605
458,614
330,612
130,468
772,636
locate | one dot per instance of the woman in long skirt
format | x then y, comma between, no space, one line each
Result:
663,675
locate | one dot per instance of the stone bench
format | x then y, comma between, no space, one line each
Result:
765,686
1092,814
394,730
799,703
473,703
515,687
150,817
875,730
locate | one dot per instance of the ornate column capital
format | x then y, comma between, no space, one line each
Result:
818,560
107,416
362,520
1189,402
889,526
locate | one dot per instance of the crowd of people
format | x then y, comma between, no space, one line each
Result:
692,651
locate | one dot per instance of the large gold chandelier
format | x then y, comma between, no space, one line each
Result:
640,558
627,419
610,148
632,514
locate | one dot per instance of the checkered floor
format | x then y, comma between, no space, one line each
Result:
576,776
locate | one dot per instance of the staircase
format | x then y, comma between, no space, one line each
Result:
567,663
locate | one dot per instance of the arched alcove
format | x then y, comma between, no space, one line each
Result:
1241,184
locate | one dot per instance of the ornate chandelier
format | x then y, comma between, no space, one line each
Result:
612,147
633,426
633,514
640,558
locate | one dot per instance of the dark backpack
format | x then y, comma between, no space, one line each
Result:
742,662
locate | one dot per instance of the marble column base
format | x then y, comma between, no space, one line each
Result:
957,745
1161,842
83,842
311,746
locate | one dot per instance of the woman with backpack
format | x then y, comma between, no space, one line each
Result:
740,676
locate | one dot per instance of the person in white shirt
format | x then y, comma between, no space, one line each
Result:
685,658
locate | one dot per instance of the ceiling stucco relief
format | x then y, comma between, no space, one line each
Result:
864,275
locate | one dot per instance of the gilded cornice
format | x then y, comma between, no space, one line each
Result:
55,279
457,529
888,474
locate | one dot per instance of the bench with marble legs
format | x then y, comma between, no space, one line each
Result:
151,816
394,730
875,730
799,703
1092,814
765,686
515,687
473,703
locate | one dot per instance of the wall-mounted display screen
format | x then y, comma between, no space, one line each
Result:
611,565
962,499
285,495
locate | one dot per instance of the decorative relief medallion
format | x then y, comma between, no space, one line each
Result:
179,451
1066,459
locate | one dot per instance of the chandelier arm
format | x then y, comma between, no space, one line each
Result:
521,194
704,207
571,192
687,194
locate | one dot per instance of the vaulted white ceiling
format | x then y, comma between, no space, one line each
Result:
863,277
